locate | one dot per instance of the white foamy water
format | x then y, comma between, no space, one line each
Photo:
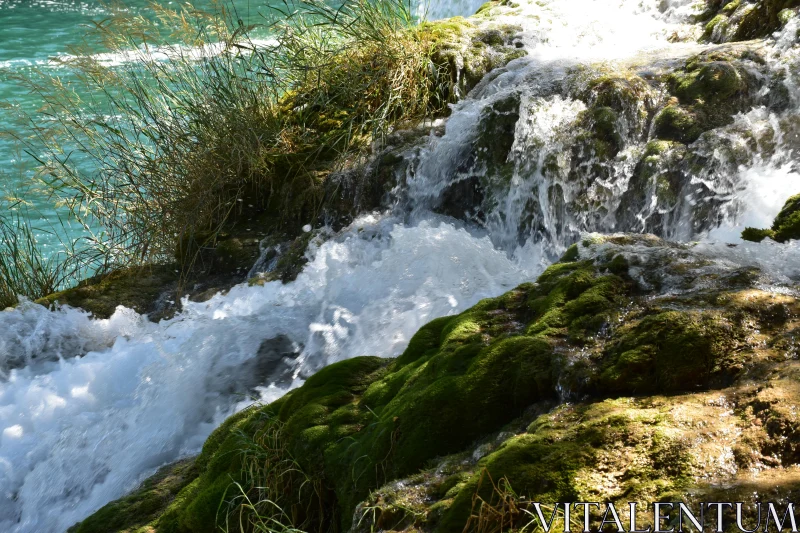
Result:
88,408
79,431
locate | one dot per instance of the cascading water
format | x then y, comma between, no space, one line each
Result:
88,408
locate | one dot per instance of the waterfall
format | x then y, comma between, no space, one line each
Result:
89,408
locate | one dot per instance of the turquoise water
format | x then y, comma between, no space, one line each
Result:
32,33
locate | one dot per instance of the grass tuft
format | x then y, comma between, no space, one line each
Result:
200,117
276,495
25,269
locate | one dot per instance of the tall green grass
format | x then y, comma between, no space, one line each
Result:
156,155
25,269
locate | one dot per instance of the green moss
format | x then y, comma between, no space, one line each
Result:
787,224
757,235
785,227
571,254
731,7
670,351
677,123
135,288
485,8
136,512
785,16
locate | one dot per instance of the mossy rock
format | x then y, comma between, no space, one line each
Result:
681,447
587,329
235,255
766,17
660,448
135,288
563,457
785,227
618,107
134,513
678,123
787,224
626,93
671,350
709,89
738,20
465,51
713,81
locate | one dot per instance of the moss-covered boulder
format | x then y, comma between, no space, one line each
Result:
785,227
708,90
736,431
465,50
620,316
739,20
787,224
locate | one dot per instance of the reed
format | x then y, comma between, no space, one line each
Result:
25,269
197,119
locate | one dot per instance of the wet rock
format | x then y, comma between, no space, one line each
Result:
649,204
136,288
738,20
678,123
486,163
281,261
273,363
708,90
463,199
367,187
